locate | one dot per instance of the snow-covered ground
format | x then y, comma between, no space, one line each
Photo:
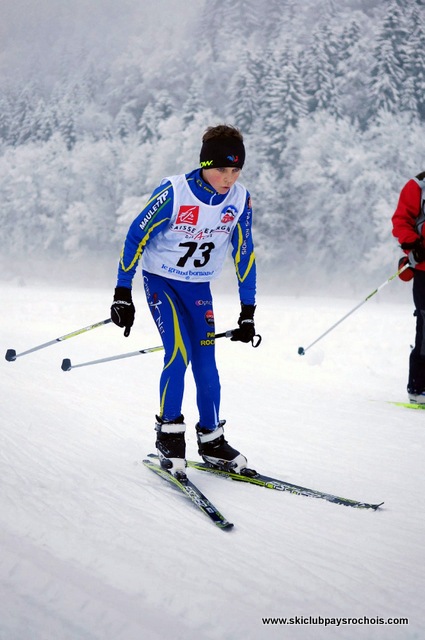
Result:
95,547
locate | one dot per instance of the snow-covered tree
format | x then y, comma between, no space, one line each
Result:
319,69
283,103
413,49
388,75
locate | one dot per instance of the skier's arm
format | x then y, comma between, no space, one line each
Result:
244,257
152,219
407,212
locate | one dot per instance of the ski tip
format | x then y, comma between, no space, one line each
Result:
407,405
10,355
66,364
375,507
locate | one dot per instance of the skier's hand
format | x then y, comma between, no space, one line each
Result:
407,274
246,331
416,248
123,310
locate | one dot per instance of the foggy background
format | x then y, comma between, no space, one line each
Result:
99,100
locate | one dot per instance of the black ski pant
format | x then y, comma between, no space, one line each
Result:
416,383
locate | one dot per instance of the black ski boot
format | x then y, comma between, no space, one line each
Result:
171,445
216,451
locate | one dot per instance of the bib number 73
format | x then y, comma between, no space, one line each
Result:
205,248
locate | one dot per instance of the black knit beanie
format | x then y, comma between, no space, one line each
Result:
225,151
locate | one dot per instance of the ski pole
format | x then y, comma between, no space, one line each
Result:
67,365
11,354
302,350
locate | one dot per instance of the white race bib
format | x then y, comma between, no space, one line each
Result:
194,245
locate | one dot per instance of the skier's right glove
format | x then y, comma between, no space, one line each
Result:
417,249
123,310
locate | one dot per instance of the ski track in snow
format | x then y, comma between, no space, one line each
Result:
95,547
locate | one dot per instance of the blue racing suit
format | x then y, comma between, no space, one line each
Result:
181,236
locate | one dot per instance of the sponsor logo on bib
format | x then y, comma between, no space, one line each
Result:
228,214
188,214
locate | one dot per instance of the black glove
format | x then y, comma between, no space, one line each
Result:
122,310
417,248
246,331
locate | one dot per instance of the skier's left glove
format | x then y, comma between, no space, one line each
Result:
246,331
123,310
408,273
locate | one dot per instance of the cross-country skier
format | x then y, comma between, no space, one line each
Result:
408,227
182,236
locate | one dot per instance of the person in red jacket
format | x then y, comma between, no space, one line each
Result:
408,227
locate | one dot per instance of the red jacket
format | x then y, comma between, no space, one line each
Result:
406,217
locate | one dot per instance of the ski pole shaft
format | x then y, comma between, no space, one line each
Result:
67,366
225,334
11,354
302,350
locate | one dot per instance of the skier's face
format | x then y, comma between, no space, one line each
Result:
221,179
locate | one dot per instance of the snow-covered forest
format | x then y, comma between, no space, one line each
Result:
100,100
